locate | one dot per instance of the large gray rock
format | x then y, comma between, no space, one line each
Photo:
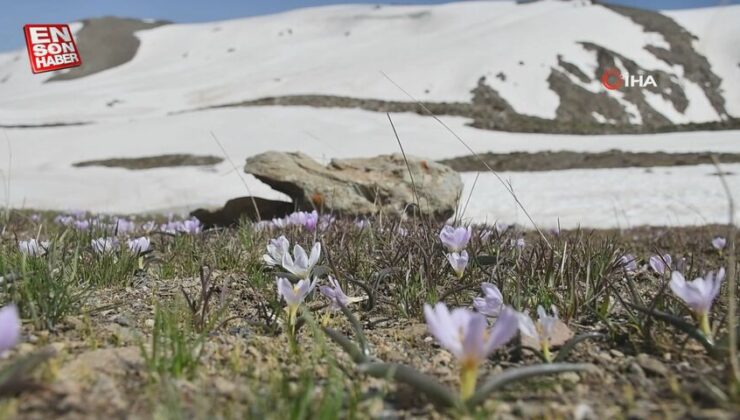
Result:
360,186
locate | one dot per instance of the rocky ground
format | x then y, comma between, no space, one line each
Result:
128,344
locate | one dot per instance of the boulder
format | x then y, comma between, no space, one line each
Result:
360,186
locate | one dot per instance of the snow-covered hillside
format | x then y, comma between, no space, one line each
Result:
541,58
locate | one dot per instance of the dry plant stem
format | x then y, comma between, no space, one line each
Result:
483,162
408,167
731,284
238,172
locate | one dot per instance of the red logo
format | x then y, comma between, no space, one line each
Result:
51,47
615,75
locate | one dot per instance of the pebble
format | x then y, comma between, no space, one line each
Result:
616,353
651,365
149,323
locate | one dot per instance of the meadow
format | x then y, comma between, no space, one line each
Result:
314,316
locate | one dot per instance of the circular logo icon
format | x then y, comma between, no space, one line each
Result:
612,78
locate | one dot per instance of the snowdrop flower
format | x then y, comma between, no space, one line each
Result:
10,328
301,264
294,295
104,245
660,264
455,239
139,245
466,335
542,330
492,301
719,243
628,262
336,295
276,248
458,261
699,294
33,248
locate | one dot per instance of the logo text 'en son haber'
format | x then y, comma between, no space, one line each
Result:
51,47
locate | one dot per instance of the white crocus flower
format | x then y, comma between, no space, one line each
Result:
275,251
301,264
542,330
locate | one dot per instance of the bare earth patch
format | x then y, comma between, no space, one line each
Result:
152,162
555,161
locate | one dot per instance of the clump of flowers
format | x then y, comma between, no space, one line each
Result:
10,328
33,248
699,294
492,302
466,335
542,330
455,240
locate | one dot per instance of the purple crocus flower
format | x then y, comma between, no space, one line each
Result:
123,226
33,248
336,295
458,261
455,239
466,335
300,264
628,262
149,226
699,294
276,248
294,295
191,226
660,264
719,243
10,328
518,243
492,301
81,224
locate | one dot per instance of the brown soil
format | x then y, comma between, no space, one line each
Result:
554,161
152,162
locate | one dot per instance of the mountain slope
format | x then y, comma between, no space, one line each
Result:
521,67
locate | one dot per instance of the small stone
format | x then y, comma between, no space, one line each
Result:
149,323
651,365
570,377
616,353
